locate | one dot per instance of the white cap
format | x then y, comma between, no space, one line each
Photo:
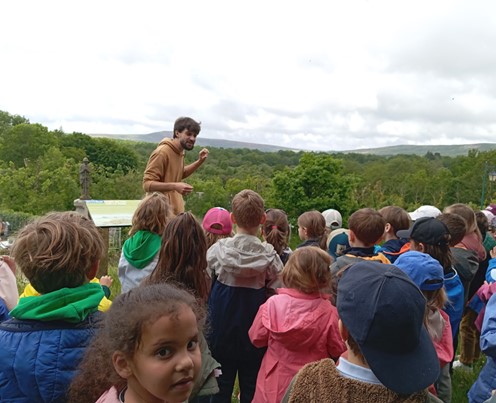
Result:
425,211
333,218
488,214
491,218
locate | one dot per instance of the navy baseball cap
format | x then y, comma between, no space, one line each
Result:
383,311
427,230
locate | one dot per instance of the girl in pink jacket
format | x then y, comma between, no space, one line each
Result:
298,325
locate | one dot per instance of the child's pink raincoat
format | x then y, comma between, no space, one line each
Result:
298,328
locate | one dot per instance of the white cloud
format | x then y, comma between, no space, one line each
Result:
324,75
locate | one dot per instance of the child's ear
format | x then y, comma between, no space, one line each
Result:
93,270
343,332
421,247
351,236
387,228
233,219
121,365
263,219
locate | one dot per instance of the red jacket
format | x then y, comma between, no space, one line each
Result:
297,328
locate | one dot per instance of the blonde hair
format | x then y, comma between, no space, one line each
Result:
314,222
58,250
468,214
307,270
248,209
152,214
435,301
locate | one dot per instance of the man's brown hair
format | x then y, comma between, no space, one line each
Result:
248,209
58,250
395,216
367,225
185,123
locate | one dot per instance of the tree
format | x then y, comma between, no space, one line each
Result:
109,153
25,142
46,184
317,183
7,121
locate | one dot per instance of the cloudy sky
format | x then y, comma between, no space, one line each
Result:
318,75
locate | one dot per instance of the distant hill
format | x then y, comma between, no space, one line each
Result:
445,150
201,141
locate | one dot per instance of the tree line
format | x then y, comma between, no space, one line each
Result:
40,173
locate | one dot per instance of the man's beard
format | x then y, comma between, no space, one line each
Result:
186,145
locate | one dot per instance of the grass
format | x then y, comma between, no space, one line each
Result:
462,380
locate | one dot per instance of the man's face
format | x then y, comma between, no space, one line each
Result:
187,139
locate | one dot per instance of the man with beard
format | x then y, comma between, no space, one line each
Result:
165,169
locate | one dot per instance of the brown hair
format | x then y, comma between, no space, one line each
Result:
367,225
436,299
276,230
466,212
122,330
395,216
58,250
183,256
314,222
482,223
152,214
457,226
248,209
211,238
185,123
307,270
355,348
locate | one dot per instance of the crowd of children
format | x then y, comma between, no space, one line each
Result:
368,313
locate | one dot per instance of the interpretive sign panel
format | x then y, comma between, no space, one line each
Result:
112,213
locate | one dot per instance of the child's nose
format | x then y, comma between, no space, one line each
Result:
185,361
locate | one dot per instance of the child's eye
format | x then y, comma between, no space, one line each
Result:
192,345
163,352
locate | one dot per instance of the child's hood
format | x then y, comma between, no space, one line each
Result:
298,320
244,255
67,304
141,248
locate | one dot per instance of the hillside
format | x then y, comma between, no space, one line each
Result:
451,150
201,141
445,150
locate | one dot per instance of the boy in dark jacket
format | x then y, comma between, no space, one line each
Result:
366,229
41,346
397,219
246,272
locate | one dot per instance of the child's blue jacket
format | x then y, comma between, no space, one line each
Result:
38,358
486,382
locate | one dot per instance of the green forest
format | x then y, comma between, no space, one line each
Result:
40,173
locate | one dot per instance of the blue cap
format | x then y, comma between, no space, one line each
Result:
383,311
424,270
